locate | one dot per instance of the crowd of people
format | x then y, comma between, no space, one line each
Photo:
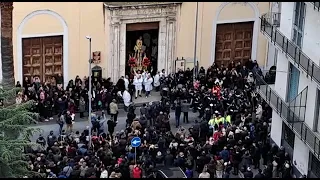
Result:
229,136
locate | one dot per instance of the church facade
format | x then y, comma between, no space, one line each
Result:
50,37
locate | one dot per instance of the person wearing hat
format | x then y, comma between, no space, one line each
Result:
114,110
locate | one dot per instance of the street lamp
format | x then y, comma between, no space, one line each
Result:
90,89
195,44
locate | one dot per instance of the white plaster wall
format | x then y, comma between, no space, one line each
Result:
311,38
286,18
282,76
276,128
0,52
301,156
271,56
311,99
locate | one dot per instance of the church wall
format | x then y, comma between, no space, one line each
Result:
206,16
90,18
82,18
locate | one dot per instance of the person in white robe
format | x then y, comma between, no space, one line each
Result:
126,82
126,99
156,81
138,85
148,85
144,76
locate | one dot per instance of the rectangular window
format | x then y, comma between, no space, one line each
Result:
315,166
298,24
288,135
293,83
317,113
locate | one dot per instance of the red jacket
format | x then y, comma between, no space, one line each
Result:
216,136
217,91
71,108
136,172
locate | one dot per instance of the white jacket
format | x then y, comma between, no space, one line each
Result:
138,83
126,98
148,84
126,83
156,80
104,174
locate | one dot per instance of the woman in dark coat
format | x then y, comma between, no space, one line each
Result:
82,107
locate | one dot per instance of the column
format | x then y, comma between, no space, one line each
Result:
162,45
170,43
115,45
122,60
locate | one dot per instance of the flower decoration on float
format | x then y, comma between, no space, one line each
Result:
146,62
132,61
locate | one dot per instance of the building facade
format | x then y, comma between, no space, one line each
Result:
49,37
292,28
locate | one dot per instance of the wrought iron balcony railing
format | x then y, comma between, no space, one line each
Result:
316,5
290,116
273,18
291,50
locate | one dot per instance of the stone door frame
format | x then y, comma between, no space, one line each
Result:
120,16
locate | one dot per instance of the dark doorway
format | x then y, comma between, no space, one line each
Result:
149,33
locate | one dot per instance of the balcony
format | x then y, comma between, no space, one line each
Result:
291,114
291,50
316,5
272,18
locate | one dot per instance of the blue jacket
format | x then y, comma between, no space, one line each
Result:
189,173
225,155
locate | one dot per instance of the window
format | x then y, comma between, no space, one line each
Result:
293,83
316,127
298,24
315,166
288,135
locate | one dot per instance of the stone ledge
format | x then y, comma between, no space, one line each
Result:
117,5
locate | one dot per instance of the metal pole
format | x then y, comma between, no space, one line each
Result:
135,155
195,44
90,93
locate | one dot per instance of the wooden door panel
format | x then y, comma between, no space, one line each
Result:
42,57
238,44
226,55
233,42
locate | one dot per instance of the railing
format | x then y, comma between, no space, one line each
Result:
291,50
289,117
273,18
316,5
299,103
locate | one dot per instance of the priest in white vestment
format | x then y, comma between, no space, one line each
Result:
156,81
126,82
138,85
148,85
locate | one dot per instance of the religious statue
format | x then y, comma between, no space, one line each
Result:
138,51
